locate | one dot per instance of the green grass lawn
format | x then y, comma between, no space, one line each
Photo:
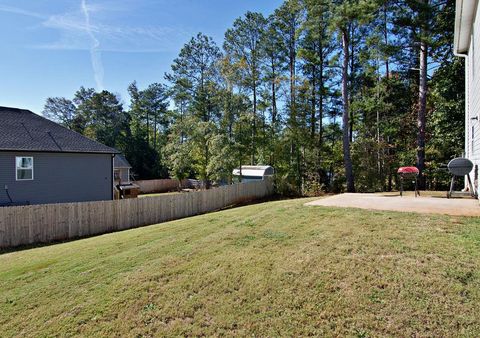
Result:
272,269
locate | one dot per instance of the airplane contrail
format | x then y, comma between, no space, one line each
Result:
20,11
95,54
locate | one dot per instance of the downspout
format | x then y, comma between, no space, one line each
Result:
112,178
467,111
8,194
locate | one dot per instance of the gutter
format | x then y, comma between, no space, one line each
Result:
458,25
465,16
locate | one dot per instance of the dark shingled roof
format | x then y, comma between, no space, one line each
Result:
119,161
22,130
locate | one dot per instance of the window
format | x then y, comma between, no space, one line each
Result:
24,168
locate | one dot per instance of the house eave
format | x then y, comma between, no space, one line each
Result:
464,18
19,150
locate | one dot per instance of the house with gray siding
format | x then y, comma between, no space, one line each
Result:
43,162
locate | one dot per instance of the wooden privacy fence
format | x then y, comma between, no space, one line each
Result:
163,185
53,222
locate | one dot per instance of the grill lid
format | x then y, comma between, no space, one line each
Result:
460,166
408,170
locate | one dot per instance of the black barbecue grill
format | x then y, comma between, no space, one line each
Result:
459,167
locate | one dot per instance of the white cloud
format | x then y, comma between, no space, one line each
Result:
67,22
14,10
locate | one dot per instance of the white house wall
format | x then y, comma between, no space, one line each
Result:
472,98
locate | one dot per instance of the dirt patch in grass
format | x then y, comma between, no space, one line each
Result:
273,269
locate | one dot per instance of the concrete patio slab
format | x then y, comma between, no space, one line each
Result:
388,202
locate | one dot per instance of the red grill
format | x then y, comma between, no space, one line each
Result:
408,173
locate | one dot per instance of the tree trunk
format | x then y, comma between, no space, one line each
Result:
387,89
422,102
320,121
292,84
274,96
207,158
254,123
155,130
379,150
274,108
314,104
320,108
385,36
148,128
352,73
345,118
293,110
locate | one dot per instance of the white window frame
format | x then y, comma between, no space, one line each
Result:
17,168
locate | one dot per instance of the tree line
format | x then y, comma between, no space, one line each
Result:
334,94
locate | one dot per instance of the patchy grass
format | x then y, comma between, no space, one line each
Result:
273,269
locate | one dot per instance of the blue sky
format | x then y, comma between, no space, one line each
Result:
52,47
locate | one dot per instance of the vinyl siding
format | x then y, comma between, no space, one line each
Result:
58,177
472,97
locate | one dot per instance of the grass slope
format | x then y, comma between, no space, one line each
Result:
273,269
